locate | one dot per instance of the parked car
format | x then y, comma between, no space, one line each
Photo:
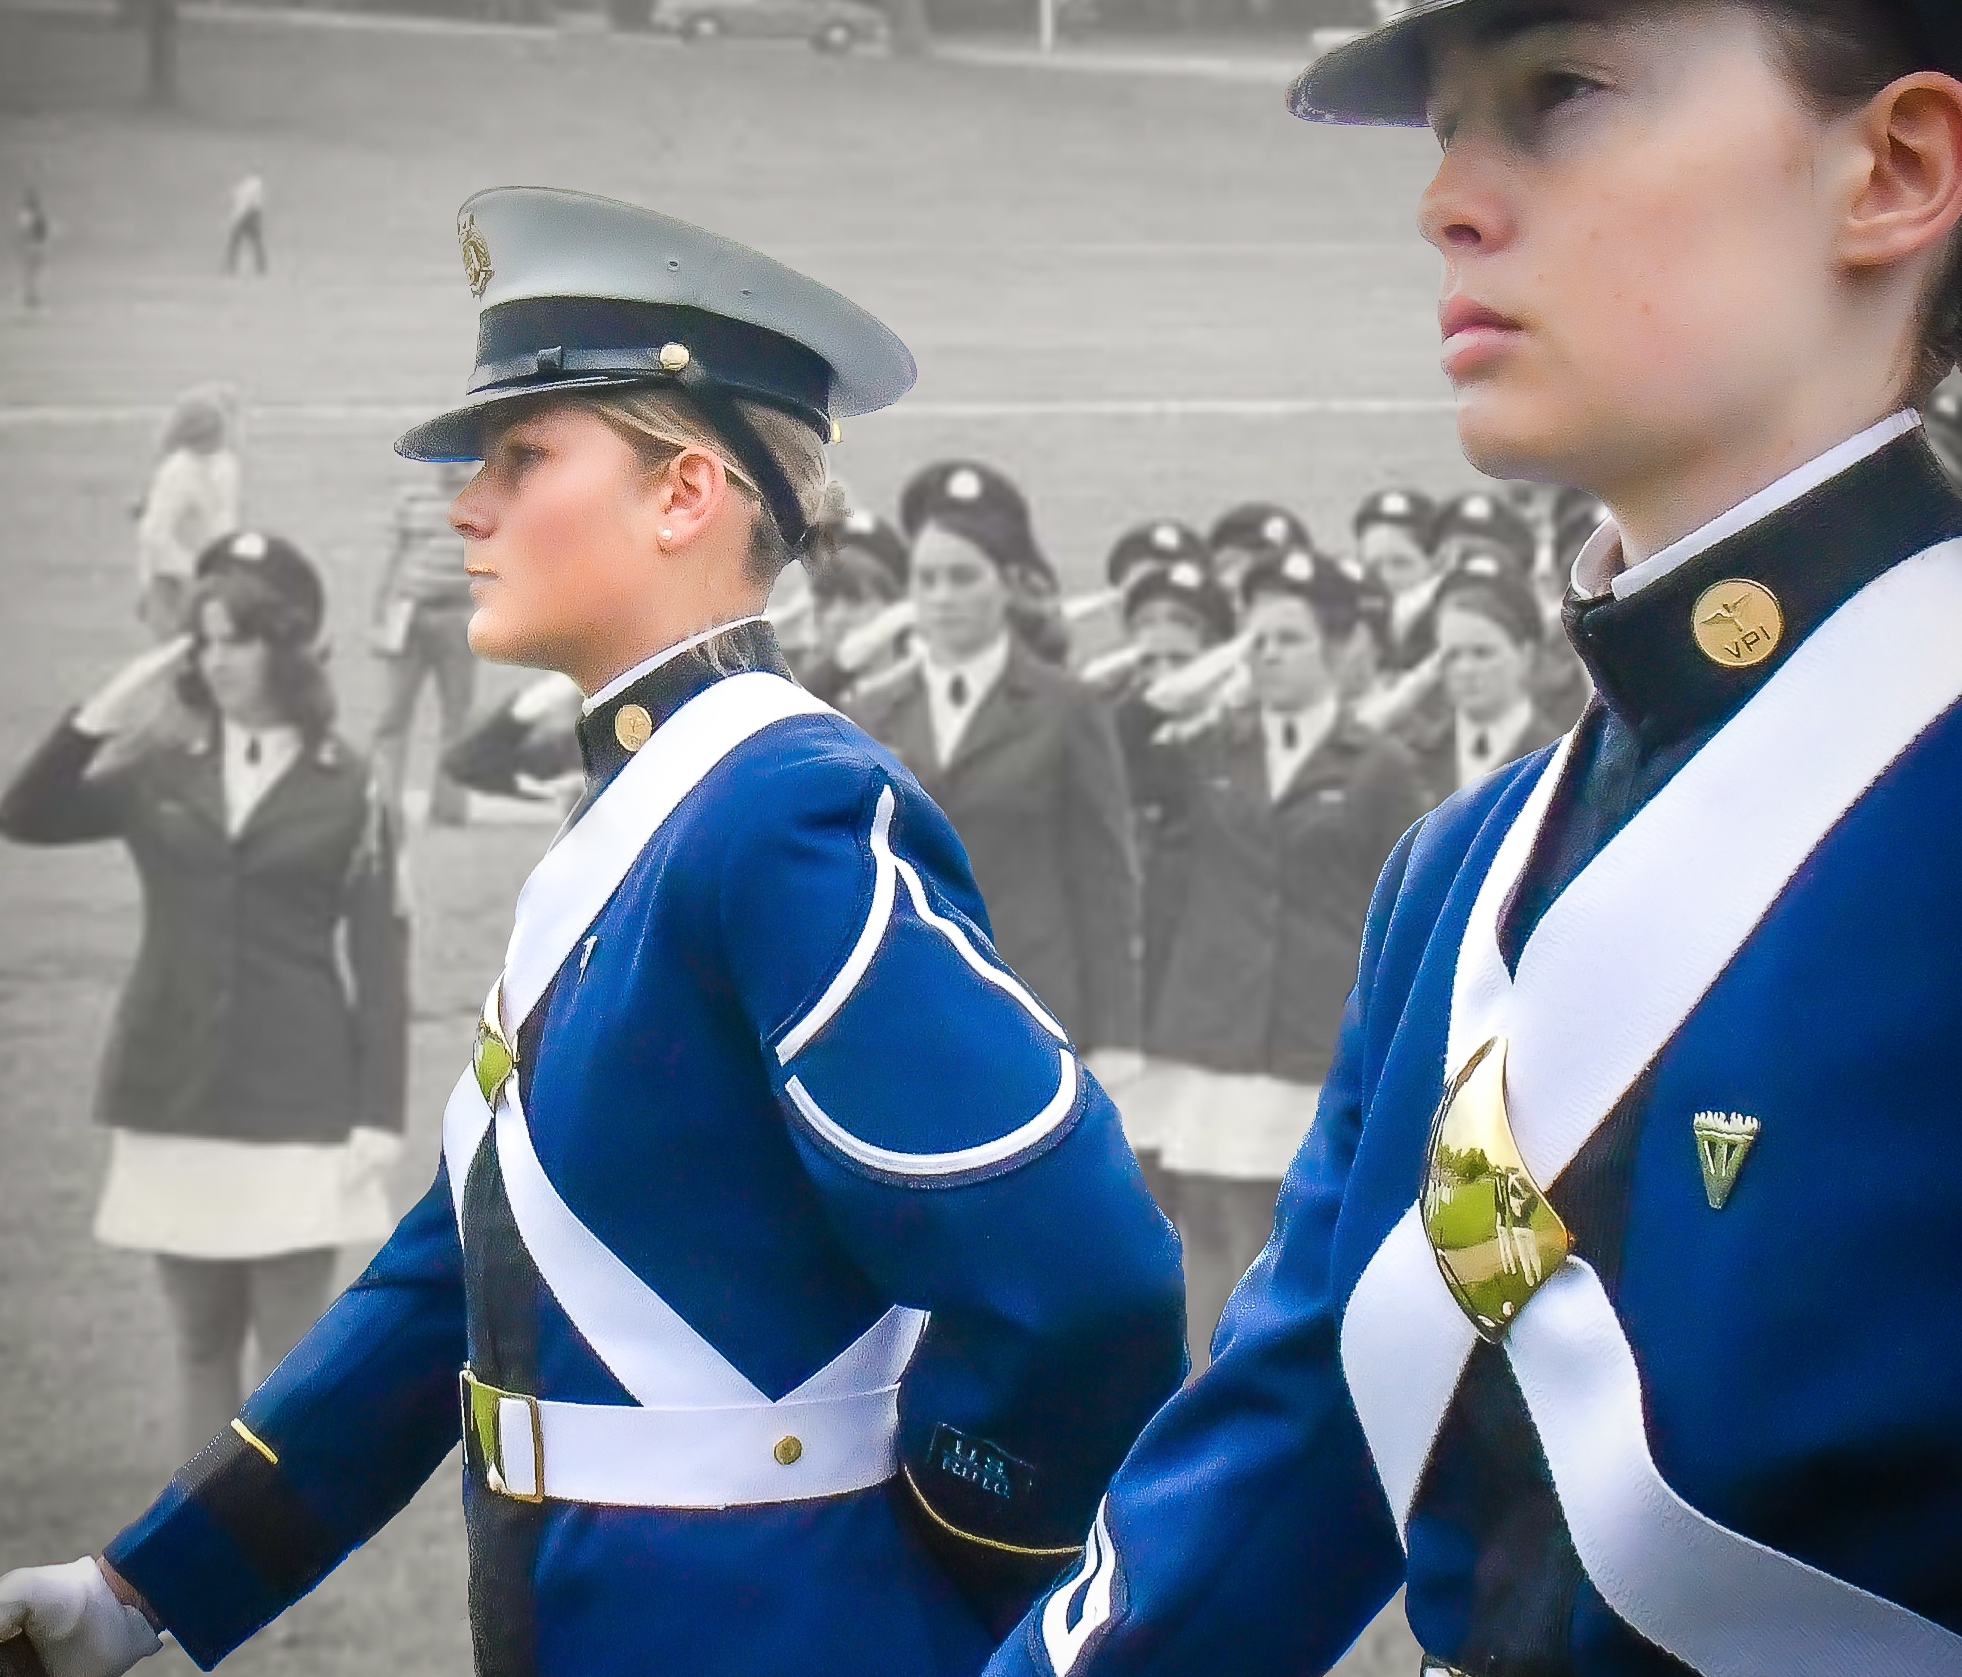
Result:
829,25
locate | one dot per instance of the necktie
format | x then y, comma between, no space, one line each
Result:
252,750
1290,735
957,692
1481,745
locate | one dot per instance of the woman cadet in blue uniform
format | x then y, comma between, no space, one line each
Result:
1611,1306
806,1294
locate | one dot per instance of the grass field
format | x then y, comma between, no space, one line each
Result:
1141,294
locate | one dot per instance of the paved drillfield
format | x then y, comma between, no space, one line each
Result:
1141,293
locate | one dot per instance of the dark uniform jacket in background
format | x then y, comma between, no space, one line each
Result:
1036,792
1275,896
236,1021
1432,739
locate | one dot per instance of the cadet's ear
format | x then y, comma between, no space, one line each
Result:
691,491
1906,196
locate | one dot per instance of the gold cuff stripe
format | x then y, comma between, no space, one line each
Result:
254,1440
946,1525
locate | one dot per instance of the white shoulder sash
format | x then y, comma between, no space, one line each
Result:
649,1348
577,877
1617,964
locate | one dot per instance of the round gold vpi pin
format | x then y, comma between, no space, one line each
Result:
632,726
1737,623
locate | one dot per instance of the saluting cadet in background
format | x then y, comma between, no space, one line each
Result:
805,1291
1611,1304
1020,755
1489,639
1395,541
858,575
1251,531
1173,612
253,1095
1483,521
420,631
1289,810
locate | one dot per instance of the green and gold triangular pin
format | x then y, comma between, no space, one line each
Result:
1722,1140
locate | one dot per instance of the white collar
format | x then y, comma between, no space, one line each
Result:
235,736
1503,729
1312,721
620,683
982,670
1597,566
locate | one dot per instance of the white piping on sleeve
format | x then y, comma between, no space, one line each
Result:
887,866
960,1162
798,1037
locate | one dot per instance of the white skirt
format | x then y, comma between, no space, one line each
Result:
1246,1127
200,1197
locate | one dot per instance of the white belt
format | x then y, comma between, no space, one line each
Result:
533,1448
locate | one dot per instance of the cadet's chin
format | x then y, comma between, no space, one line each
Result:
498,641
1506,436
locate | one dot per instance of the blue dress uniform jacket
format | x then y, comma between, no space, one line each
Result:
924,1157
1036,791
236,1021
1799,1364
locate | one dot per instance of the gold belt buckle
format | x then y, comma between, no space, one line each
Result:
483,1425
1495,1237
492,1059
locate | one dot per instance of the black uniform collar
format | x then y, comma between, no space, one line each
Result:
1813,554
667,687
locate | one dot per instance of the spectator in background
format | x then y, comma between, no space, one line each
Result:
36,233
421,633
254,1098
192,500
246,223
1292,807
1023,759
1491,638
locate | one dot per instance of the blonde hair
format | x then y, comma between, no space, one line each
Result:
662,424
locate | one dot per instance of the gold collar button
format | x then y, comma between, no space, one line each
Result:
1737,623
632,726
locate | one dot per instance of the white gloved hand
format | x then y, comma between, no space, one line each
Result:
74,1620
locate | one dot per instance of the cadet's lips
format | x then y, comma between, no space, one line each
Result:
1472,333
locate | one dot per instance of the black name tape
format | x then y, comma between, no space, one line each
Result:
975,1462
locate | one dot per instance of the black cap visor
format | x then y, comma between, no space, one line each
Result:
1380,77
1384,75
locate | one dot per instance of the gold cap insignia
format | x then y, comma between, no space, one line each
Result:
1722,1140
477,267
1495,1237
632,726
1737,623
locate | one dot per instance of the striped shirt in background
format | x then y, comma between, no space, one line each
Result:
427,564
